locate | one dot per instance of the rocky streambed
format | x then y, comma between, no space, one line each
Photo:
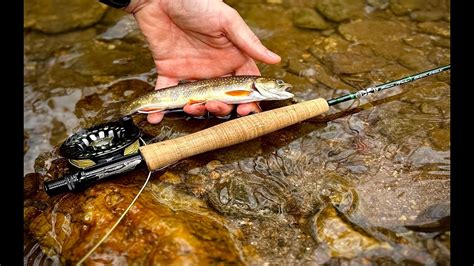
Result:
366,183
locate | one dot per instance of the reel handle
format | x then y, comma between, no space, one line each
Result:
229,133
61,185
84,178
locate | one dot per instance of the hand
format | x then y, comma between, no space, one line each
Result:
198,39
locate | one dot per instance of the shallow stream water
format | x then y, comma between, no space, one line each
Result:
368,182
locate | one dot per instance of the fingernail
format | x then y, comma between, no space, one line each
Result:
272,54
223,117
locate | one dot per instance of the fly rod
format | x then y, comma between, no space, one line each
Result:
114,148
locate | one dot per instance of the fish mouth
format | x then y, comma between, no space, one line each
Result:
287,86
285,93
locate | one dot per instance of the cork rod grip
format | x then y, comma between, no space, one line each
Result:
229,133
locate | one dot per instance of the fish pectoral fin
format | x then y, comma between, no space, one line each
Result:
192,102
149,110
238,93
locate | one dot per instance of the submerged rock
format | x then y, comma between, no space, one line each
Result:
340,10
443,42
333,43
427,15
427,108
380,4
440,56
418,40
249,195
159,229
410,122
112,16
299,68
389,50
435,218
71,59
52,16
432,93
373,31
434,212
363,159
58,133
415,61
40,46
383,37
125,28
25,142
402,7
307,18
351,63
30,184
332,81
441,139
299,3
440,28
342,238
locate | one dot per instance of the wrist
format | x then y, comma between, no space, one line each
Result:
130,6
134,6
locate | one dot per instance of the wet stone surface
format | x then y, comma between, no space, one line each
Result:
307,18
163,227
366,183
340,10
60,16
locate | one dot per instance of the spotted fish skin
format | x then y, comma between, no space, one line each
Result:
230,90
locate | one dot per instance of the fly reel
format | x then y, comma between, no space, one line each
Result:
102,143
99,152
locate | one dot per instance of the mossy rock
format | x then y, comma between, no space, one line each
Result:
56,16
307,18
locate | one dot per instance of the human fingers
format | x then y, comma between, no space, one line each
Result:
219,108
155,118
240,34
195,109
163,82
248,108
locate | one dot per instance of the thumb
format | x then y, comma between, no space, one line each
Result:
248,68
240,34
163,82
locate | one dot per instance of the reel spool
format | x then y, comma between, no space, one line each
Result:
102,143
100,151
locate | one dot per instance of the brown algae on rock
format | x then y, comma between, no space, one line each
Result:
335,189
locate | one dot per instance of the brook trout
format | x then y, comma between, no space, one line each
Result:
230,90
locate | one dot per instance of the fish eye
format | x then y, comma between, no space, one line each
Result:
280,82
